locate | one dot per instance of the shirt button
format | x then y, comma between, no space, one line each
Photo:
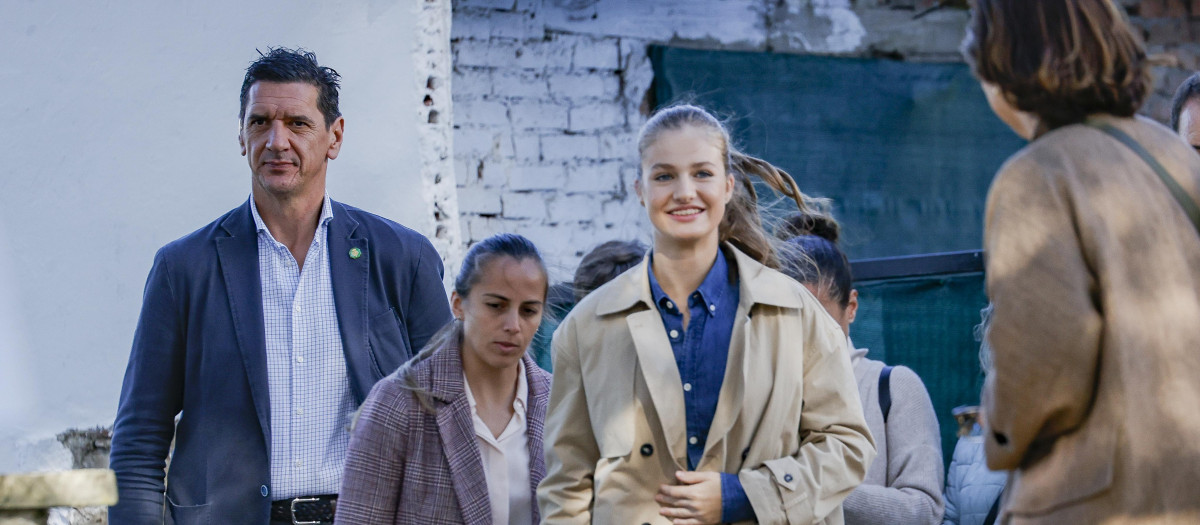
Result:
674,334
687,387
712,307
299,359
670,306
296,308
299,411
647,449
263,490
692,440
787,478
299,463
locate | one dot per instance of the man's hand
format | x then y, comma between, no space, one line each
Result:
695,501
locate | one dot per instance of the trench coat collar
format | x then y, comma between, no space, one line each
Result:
758,285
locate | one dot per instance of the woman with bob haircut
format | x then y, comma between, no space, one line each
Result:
702,386
1093,268
455,435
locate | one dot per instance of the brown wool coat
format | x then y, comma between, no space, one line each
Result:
615,429
1094,271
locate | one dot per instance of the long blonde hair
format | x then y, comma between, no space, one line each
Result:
741,226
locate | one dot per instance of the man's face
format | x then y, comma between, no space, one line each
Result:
284,138
1189,123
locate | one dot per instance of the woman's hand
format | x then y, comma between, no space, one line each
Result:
695,501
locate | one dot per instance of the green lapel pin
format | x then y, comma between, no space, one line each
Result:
355,253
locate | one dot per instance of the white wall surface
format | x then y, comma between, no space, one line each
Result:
120,134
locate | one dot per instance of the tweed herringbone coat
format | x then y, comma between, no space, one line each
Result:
412,467
788,420
1094,270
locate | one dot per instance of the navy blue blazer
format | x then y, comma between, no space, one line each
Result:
199,355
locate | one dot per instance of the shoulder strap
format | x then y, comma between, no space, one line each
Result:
885,392
994,512
1185,200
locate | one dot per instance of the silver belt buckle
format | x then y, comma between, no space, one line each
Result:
293,508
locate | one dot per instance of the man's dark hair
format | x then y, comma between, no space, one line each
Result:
1188,90
280,64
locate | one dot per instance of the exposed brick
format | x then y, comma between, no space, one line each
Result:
545,177
618,145
596,53
596,116
527,148
476,143
540,55
573,207
480,113
525,205
524,84
530,115
475,23
605,86
562,146
489,4
594,177
480,228
488,53
471,85
480,201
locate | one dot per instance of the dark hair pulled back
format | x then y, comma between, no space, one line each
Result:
474,263
817,259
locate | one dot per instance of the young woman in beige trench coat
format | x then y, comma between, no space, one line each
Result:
1093,268
787,440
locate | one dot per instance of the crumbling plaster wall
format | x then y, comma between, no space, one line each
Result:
549,94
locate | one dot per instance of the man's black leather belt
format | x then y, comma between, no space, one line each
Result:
303,510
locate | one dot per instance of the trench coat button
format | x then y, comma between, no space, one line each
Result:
263,490
787,478
647,449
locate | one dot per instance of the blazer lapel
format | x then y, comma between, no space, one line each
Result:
457,430
535,419
238,256
662,378
349,265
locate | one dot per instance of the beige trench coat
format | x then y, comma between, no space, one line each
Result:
1094,271
615,429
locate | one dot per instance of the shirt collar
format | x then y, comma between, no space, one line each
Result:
522,391
260,226
710,291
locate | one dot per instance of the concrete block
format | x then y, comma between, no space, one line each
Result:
596,116
526,84
463,171
470,23
525,205
479,228
619,145
483,53
540,177
579,207
596,53
604,85
476,143
732,24
479,200
538,54
471,83
486,4
480,113
527,148
570,147
538,115
593,177
516,25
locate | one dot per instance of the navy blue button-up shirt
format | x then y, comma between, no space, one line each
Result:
701,351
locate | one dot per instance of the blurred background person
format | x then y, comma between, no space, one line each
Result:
1093,268
1185,111
904,483
972,489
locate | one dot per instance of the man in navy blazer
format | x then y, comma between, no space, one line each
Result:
263,331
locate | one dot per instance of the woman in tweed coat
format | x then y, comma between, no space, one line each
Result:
455,435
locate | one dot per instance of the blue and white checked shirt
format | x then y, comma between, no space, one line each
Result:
311,402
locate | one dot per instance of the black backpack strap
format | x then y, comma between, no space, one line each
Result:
1185,201
994,512
885,392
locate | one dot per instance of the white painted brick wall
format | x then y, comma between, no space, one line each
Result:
548,99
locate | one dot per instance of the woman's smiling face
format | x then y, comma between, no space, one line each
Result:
684,185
